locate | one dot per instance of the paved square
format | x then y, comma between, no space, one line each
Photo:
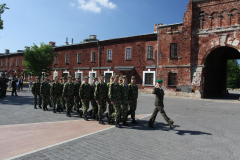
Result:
205,129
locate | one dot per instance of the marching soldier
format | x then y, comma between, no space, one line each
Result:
101,96
133,96
114,95
84,93
36,92
68,95
56,94
78,103
125,97
63,102
45,93
158,91
94,110
110,106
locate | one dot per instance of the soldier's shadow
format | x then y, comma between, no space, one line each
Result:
143,125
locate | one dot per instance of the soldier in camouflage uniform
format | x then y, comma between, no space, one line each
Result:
125,97
101,96
56,94
78,103
85,95
110,106
133,96
115,97
68,95
36,92
45,93
63,102
94,110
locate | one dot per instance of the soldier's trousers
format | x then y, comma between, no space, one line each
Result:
154,115
85,106
45,101
35,99
94,107
58,100
124,111
102,106
117,111
110,109
14,90
63,101
78,103
70,103
133,107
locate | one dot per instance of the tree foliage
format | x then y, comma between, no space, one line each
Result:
233,74
39,59
2,8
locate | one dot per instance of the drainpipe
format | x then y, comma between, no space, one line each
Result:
98,57
157,51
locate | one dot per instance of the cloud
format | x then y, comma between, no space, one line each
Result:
95,5
72,4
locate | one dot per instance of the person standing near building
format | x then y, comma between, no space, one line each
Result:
45,93
159,93
125,99
115,97
68,95
133,96
110,106
85,95
56,94
36,92
14,85
94,110
101,96
78,103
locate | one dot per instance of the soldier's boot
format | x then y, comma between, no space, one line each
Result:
68,114
44,108
54,111
101,121
85,118
40,106
118,125
35,107
93,116
107,115
150,126
109,120
134,121
125,123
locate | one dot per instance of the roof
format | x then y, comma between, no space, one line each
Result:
167,25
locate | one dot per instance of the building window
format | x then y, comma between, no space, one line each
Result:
55,60
67,58
6,63
16,62
148,78
174,28
1,63
150,52
173,50
11,63
172,79
93,57
107,77
79,58
109,55
128,53
55,74
23,62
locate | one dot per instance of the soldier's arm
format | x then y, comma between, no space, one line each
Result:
41,88
137,93
64,90
110,93
154,90
81,91
96,95
51,90
32,89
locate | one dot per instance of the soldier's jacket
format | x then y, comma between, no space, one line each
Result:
114,92
85,91
159,96
45,89
56,89
76,88
101,91
92,89
68,89
125,92
133,92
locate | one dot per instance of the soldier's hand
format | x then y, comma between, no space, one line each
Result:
97,102
112,103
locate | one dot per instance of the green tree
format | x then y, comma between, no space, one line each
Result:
39,59
2,8
233,74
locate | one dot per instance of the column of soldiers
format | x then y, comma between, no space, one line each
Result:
117,93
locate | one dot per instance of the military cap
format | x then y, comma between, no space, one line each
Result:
78,77
115,75
133,77
120,78
61,78
45,77
101,75
69,76
93,77
86,77
111,77
35,77
124,76
56,77
159,81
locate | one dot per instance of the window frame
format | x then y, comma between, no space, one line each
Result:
1,63
126,55
78,59
55,60
175,50
6,63
149,53
105,72
144,77
11,63
170,85
66,58
108,59
93,56
16,62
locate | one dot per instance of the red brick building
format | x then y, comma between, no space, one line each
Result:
188,56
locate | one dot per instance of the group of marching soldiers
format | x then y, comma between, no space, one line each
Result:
68,94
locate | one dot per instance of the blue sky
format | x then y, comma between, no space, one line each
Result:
28,21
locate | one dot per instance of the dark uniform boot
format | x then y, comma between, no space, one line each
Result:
94,117
109,120
150,126
46,108
97,118
54,111
134,121
101,121
118,125
40,106
107,115
68,114
125,123
85,118
35,107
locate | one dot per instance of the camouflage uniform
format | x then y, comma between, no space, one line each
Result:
110,106
101,95
84,93
36,92
133,96
56,94
115,96
93,101
125,98
63,101
45,91
78,103
68,93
